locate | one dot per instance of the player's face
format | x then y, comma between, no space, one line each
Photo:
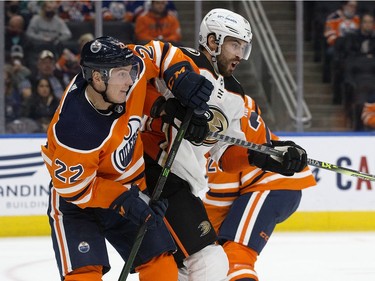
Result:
119,83
232,52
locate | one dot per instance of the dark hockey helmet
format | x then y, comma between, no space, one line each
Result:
102,54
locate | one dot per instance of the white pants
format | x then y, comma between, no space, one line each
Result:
209,264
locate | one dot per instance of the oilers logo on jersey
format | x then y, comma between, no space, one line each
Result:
122,156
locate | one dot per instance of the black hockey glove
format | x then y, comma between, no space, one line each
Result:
175,113
294,158
133,205
191,89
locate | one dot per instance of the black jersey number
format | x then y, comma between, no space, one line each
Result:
76,170
254,120
144,51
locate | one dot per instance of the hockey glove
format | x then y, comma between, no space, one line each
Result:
175,113
191,89
133,205
293,160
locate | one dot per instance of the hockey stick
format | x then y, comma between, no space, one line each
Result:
157,192
275,152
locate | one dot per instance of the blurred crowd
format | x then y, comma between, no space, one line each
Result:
344,40
43,40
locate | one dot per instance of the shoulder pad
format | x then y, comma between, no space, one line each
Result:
80,126
232,85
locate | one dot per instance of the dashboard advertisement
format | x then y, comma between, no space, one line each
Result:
24,180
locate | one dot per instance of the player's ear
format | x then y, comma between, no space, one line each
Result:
211,42
96,76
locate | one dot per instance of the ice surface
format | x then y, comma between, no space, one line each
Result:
302,256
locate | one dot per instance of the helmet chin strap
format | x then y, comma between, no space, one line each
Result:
214,55
115,108
214,62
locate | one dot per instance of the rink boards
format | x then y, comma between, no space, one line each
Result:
337,203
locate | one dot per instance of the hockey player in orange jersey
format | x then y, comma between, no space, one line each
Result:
225,39
244,207
95,158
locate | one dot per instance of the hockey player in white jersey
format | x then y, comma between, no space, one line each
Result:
225,39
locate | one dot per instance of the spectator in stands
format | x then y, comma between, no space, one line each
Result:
15,35
319,11
157,24
114,10
68,63
46,68
47,28
368,115
338,24
13,98
20,73
17,7
76,11
362,41
133,10
42,104
16,101
34,7
12,8
136,8
359,88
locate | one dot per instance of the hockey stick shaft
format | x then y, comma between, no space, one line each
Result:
157,192
275,152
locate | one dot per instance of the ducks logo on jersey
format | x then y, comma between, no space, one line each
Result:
218,124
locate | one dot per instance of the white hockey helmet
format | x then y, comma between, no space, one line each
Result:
222,23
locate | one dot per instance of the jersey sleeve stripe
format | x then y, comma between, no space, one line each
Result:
218,203
83,200
158,55
169,57
223,194
132,170
77,196
78,187
250,175
226,185
278,176
46,159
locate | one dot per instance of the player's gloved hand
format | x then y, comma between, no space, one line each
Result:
174,112
133,205
294,158
191,89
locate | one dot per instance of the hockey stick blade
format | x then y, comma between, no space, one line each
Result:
157,192
275,152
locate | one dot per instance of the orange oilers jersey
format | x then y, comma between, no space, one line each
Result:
93,157
368,114
148,27
338,26
224,187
